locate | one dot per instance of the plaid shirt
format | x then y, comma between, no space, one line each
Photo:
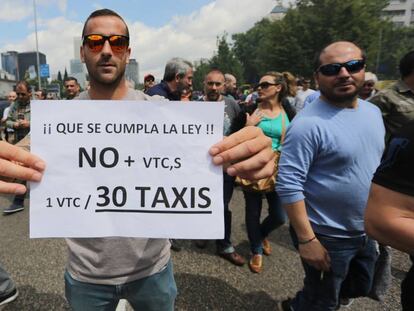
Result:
397,106
18,112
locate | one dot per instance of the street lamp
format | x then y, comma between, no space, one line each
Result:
37,46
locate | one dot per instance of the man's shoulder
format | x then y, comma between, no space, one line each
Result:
390,91
229,101
159,89
369,106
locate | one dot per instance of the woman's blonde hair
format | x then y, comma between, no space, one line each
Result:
286,80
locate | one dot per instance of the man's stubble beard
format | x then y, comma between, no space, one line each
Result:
343,98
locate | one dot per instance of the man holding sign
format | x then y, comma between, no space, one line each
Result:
100,271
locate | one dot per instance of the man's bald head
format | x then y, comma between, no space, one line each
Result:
337,48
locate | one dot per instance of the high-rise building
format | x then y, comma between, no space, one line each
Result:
77,68
27,59
77,42
400,12
10,63
131,71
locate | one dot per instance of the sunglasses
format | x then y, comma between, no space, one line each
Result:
369,84
264,85
95,43
352,66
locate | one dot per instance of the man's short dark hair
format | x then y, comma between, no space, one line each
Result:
317,60
216,70
104,12
26,84
70,78
407,64
43,92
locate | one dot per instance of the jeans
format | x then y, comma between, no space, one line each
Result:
351,275
153,293
6,283
257,231
225,245
407,289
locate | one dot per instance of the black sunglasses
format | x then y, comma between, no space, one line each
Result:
95,42
352,66
264,85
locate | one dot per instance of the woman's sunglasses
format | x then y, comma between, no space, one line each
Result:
95,43
352,66
264,85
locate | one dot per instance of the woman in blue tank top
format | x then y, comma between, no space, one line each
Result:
271,117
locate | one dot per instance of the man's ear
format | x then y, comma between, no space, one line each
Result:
81,54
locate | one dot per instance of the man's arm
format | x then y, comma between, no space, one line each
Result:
246,153
17,163
310,249
389,218
299,151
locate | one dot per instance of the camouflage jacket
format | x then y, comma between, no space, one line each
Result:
18,112
397,106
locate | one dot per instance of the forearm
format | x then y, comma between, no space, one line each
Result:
299,220
397,233
389,218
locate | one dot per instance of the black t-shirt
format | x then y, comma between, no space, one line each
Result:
396,171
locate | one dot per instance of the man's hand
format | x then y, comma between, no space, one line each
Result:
248,153
24,124
17,163
314,254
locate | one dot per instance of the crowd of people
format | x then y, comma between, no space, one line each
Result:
325,144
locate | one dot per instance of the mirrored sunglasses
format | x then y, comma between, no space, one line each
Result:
352,66
95,42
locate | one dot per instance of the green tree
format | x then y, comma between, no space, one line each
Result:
395,43
223,59
245,48
200,72
291,43
226,60
65,75
59,76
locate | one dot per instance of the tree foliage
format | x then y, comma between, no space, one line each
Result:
291,44
224,59
59,76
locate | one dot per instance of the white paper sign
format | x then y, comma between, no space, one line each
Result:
127,168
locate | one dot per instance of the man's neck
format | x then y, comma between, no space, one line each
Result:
115,91
351,104
172,86
410,81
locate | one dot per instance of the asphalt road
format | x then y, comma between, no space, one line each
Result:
205,281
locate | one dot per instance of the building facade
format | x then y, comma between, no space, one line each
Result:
131,71
27,59
400,12
10,63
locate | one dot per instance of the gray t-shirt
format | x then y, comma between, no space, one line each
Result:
231,111
116,260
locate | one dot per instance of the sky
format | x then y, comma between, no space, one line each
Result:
159,29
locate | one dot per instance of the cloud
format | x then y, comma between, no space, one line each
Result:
18,10
14,10
55,40
192,36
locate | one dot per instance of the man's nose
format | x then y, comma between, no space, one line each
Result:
343,72
106,48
